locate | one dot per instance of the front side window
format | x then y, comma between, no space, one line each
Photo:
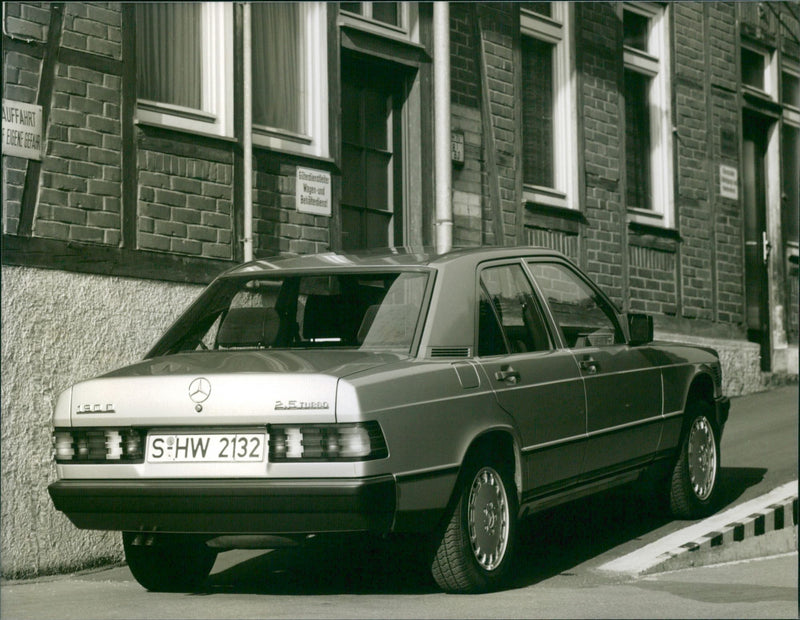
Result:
648,126
289,76
184,65
583,316
509,316
548,137
375,311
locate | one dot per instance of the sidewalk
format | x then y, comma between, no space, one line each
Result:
766,525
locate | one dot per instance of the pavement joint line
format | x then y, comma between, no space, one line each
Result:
772,511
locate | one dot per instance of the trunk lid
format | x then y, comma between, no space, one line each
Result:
213,388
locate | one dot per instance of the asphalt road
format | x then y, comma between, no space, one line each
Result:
557,574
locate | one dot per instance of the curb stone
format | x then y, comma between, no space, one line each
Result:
773,518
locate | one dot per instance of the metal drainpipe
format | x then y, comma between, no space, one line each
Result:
441,122
247,138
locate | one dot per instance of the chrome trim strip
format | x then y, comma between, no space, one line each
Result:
603,374
428,472
611,429
551,444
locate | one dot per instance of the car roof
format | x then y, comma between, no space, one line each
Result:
385,258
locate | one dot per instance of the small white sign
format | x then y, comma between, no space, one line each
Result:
457,147
728,182
22,129
313,191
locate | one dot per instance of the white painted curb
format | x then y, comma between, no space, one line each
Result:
742,521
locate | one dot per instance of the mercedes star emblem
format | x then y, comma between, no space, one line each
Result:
199,390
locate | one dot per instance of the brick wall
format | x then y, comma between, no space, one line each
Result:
598,39
468,188
185,204
93,27
464,74
725,120
80,193
27,21
498,25
692,192
21,74
652,279
474,213
277,226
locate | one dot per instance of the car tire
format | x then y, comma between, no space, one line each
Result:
476,548
170,564
695,478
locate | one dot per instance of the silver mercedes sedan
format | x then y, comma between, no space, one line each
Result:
382,393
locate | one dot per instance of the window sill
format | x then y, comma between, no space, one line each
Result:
184,130
653,237
553,218
396,50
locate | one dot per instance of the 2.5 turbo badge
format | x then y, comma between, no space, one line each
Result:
300,405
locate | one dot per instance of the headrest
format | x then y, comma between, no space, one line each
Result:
323,317
249,327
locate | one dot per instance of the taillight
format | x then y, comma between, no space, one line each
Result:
96,445
326,442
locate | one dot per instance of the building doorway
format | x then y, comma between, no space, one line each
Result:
373,95
757,245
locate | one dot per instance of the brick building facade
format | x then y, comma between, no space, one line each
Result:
656,144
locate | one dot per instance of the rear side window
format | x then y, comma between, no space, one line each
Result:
583,316
509,316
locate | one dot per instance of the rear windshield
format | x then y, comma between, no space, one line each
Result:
378,311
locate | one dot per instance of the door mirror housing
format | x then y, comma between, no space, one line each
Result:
640,329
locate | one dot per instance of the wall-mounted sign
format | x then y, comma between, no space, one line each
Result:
313,191
457,147
728,182
22,129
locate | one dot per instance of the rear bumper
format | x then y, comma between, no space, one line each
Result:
229,506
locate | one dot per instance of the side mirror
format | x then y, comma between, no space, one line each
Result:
640,329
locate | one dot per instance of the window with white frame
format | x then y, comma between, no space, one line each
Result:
548,105
648,118
184,59
394,19
790,84
790,154
759,73
290,76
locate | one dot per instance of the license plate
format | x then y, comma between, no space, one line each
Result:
206,448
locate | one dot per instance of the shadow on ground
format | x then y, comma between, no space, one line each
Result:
549,543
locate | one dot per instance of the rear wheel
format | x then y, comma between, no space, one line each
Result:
476,549
693,487
170,563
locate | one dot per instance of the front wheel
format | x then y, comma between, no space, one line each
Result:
170,563
693,488
476,549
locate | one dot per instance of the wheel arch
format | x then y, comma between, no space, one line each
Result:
701,389
498,444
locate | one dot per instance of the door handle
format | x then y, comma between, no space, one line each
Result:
589,365
508,375
766,246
